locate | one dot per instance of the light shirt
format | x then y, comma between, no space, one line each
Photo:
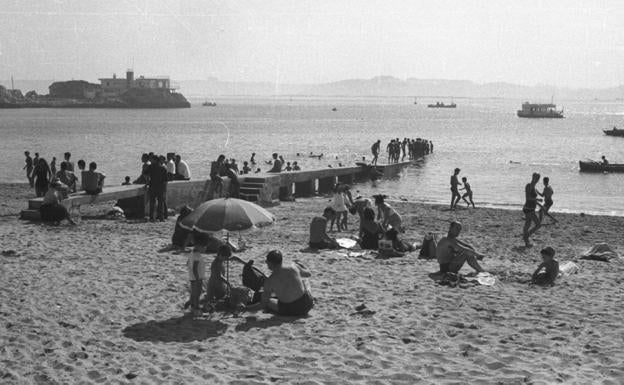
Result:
201,266
183,169
171,169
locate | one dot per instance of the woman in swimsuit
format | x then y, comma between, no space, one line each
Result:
528,209
390,216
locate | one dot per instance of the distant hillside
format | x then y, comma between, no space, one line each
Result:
390,86
378,86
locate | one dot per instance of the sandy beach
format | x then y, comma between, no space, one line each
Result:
98,303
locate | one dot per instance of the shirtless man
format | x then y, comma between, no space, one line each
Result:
453,253
285,292
318,231
455,197
375,151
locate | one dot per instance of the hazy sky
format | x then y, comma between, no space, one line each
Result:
563,43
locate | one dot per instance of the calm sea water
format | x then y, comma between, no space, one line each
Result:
496,150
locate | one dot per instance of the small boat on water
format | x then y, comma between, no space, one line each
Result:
442,105
614,131
536,110
209,104
592,166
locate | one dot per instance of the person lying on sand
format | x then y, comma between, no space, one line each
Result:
285,293
318,235
453,253
550,266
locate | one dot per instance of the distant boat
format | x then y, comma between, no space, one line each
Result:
614,132
209,104
592,166
536,110
442,105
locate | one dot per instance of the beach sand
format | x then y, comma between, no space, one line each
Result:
98,303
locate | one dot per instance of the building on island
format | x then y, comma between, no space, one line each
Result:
112,87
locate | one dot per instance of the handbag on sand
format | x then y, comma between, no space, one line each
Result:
428,248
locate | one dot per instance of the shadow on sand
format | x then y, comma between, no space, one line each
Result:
180,329
252,322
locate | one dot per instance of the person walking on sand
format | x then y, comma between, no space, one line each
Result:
547,193
455,196
528,209
468,192
29,168
375,151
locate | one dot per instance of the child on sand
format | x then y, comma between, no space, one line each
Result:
217,282
468,192
196,271
550,266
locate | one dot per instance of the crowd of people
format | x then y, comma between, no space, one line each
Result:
398,149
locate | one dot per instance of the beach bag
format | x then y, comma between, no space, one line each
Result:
253,278
428,248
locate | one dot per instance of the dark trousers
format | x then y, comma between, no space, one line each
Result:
160,196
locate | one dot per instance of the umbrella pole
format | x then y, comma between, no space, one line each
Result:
227,270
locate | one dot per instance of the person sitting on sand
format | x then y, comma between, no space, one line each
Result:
52,209
285,293
389,215
181,237
453,253
196,272
92,181
218,284
358,206
318,235
550,266
370,230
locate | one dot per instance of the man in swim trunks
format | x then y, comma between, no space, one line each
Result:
547,193
455,196
375,151
453,253
285,293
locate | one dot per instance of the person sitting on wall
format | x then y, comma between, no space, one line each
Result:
92,181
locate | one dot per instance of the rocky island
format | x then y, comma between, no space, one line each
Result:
112,92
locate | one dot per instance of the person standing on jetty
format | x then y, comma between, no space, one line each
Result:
183,172
455,196
375,151
29,168
547,193
528,209
70,164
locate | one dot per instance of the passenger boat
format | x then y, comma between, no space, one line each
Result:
442,105
209,104
536,110
614,132
591,166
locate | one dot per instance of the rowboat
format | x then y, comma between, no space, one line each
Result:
614,132
591,166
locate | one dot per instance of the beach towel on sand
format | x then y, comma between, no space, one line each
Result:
568,268
602,252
